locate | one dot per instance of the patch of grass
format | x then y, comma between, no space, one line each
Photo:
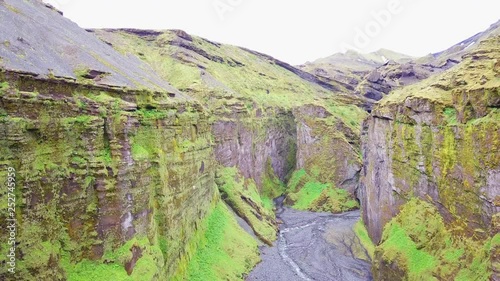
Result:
112,264
295,179
139,152
243,197
418,242
351,115
4,86
334,200
492,117
80,119
267,203
272,186
399,246
146,144
153,114
362,234
450,115
226,251
308,194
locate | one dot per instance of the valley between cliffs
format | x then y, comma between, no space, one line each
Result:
159,155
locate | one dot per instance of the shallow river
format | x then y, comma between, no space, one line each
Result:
313,246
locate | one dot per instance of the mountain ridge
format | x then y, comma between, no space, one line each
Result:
375,78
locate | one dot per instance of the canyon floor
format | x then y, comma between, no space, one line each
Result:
314,246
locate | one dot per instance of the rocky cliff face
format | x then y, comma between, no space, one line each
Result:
324,140
437,140
114,174
126,169
243,143
267,115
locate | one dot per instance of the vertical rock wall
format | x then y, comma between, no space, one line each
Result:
97,168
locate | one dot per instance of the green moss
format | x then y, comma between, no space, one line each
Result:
267,203
82,119
351,115
418,242
492,117
139,152
242,195
225,252
153,114
306,193
295,179
366,241
272,186
4,86
401,247
112,265
146,143
106,156
450,115
41,253
334,200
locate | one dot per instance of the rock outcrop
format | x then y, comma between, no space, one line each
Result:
114,167
437,140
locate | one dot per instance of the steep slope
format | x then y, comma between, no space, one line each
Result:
114,168
270,119
73,55
375,75
438,141
457,51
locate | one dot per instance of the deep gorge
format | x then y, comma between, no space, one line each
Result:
138,153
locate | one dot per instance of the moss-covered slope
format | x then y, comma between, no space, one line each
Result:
114,168
95,169
417,245
437,140
270,118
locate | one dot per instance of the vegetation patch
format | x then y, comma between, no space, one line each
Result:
112,264
4,86
243,197
225,252
272,186
366,241
450,115
418,242
306,193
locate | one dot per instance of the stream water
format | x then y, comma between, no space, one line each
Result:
313,246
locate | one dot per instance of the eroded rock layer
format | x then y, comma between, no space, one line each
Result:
438,141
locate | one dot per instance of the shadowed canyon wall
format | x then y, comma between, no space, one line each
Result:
438,141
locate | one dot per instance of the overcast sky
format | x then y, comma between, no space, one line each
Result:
297,31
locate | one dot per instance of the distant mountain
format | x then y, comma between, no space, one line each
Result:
376,74
359,62
351,67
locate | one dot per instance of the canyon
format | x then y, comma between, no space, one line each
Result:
160,155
